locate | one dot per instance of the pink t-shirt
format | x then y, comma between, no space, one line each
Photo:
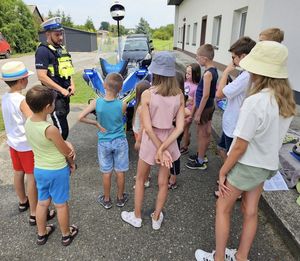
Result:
190,90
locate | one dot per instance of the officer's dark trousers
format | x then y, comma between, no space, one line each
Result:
59,116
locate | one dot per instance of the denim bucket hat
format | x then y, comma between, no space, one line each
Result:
163,63
267,58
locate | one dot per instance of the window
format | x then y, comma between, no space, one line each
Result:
188,34
194,33
216,30
238,23
243,23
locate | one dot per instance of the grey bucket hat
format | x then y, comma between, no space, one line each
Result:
163,63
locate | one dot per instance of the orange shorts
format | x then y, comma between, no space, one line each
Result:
22,160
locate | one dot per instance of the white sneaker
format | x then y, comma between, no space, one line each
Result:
230,254
129,217
204,256
156,224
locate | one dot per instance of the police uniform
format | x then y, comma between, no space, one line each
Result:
57,61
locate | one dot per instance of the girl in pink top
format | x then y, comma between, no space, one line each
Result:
161,104
192,78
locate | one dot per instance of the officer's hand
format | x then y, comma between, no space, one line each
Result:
71,90
64,92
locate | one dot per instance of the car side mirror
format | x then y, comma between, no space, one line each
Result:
152,49
150,41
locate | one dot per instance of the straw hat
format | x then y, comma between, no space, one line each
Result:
163,63
267,58
15,70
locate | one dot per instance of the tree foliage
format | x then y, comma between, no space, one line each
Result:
163,32
17,25
104,26
66,20
143,27
89,25
114,30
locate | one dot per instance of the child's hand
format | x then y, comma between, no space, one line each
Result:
223,189
164,158
101,129
72,154
72,168
197,118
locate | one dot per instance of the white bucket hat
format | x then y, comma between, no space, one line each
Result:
163,63
15,70
267,58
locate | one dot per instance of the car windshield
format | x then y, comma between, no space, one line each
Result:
136,45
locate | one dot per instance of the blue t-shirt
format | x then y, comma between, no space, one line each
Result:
212,90
110,116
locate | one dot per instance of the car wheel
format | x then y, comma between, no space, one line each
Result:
7,55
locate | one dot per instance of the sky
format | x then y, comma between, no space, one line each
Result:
156,12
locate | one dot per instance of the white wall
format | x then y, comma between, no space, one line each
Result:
261,14
194,10
285,15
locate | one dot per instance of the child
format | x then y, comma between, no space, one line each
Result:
204,106
112,142
235,92
160,105
175,169
192,78
253,156
137,123
53,163
272,34
15,111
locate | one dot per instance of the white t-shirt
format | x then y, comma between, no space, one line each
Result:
14,121
261,125
235,93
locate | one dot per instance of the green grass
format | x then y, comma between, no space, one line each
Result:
83,92
1,122
163,45
17,55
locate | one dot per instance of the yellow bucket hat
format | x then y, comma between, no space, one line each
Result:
267,58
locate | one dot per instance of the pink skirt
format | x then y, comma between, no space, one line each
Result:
148,149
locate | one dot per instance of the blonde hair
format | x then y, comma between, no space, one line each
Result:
273,34
282,91
114,82
166,86
206,50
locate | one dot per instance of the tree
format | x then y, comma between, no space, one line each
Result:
104,26
18,26
143,27
89,25
114,30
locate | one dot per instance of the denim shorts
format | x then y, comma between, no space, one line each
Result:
225,142
113,155
53,184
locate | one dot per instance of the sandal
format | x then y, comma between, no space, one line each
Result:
67,240
184,150
41,240
24,206
51,214
172,186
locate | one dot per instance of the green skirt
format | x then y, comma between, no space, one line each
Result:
246,178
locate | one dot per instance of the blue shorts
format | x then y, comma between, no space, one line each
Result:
225,142
53,183
113,155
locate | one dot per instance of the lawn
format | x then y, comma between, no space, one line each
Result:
1,122
163,45
83,92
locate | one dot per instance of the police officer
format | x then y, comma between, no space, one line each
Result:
55,69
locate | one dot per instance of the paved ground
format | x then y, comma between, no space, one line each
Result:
189,213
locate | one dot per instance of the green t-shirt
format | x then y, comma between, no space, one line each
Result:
46,155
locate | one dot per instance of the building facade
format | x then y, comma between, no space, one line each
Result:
221,23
